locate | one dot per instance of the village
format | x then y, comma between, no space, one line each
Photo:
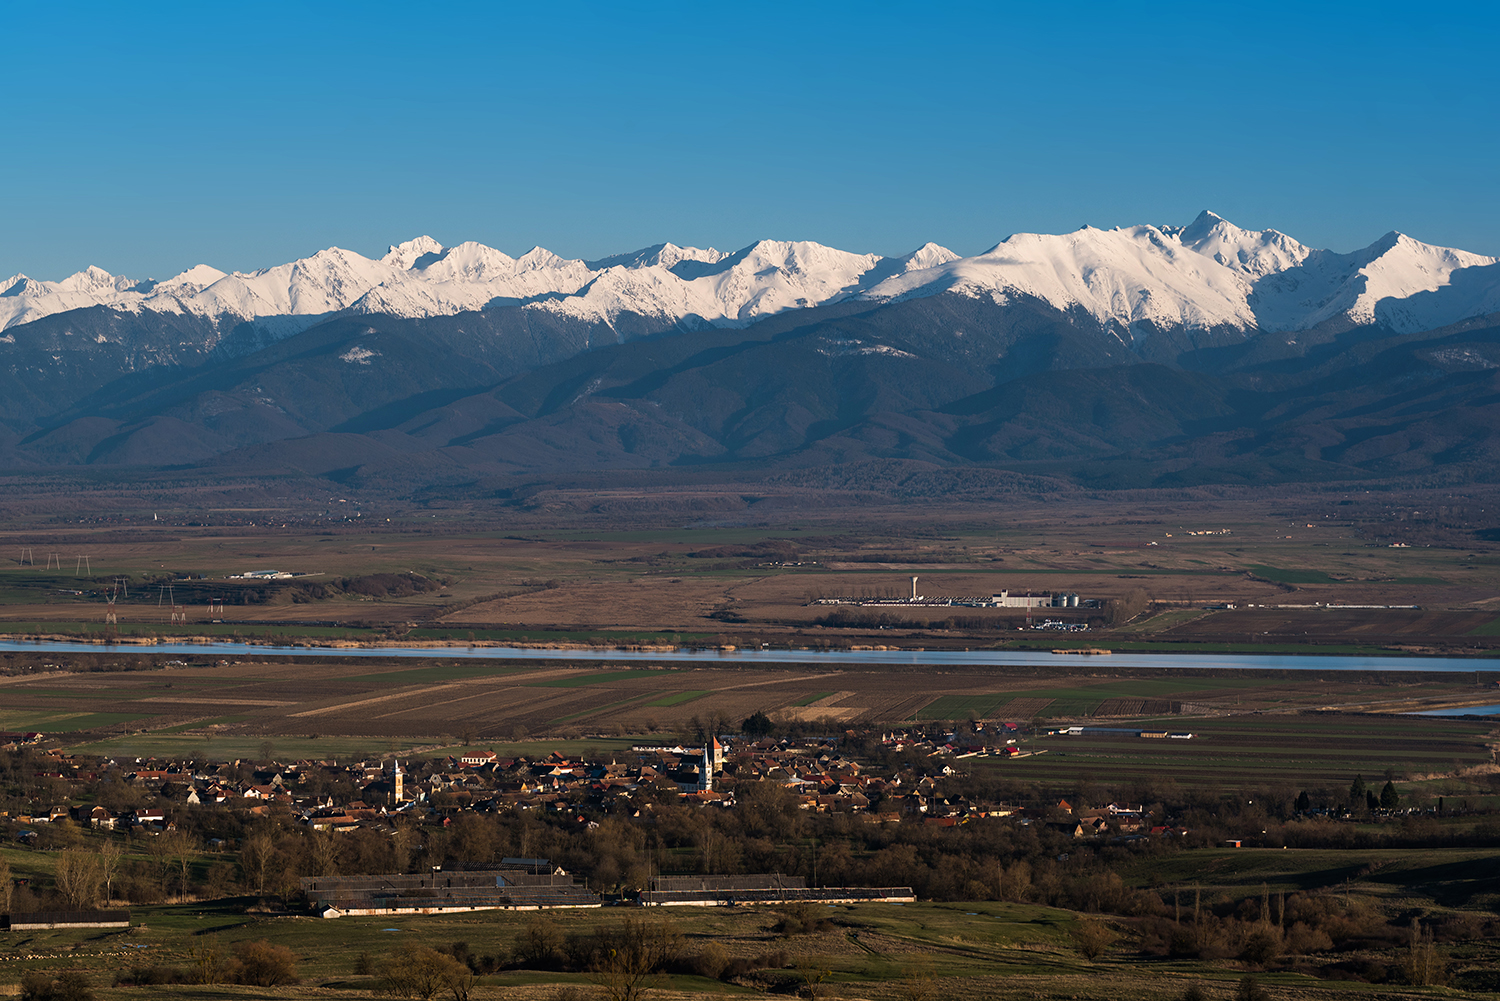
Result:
151,796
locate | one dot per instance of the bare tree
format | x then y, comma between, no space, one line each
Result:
184,850
256,857
1423,965
419,972
813,973
403,841
79,878
325,853
631,956
1128,606
111,854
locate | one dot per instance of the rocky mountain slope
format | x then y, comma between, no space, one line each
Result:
1140,355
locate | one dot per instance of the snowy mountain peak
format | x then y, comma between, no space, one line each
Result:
928,255
1212,274
93,280
195,278
404,255
19,285
662,255
1250,252
1207,275
539,257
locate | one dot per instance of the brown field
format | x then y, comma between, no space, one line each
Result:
1259,731
541,574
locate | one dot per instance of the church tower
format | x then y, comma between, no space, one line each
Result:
397,782
706,770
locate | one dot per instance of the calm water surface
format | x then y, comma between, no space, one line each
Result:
828,658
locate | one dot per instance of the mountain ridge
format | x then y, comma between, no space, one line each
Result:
1205,275
1156,355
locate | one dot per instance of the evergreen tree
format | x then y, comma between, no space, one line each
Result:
1389,797
1303,803
757,724
1357,792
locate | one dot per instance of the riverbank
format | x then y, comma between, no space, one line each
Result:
1294,660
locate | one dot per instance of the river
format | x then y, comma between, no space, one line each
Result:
932,658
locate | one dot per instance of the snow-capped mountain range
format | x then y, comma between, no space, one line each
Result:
1209,275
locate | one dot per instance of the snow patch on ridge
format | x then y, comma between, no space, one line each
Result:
1208,274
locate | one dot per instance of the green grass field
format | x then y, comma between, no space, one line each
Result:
53,722
1083,700
676,699
1450,875
928,950
1281,752
217,630
624,636
599,678
1282,576
168,744
439,673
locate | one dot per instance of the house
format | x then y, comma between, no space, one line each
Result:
477,759
152,818
94,816
1071,828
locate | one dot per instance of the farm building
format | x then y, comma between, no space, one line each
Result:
728,891
47,920
444,892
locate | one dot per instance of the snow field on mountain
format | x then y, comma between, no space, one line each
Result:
1208,274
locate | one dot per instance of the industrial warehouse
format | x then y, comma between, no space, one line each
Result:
1001,599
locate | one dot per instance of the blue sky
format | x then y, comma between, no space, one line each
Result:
148,139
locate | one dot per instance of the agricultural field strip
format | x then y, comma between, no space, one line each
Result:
678,698
200,723
531,705
508,681
1184,768
790,678
604,708
530,699
26,679
345,706
152,700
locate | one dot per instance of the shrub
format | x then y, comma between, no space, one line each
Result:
150,976
541,944
419,972
765,961
69,985
1261,947
265,965
1091,938
1249,989
710,961
801,919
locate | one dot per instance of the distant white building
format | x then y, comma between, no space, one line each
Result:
1034,599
